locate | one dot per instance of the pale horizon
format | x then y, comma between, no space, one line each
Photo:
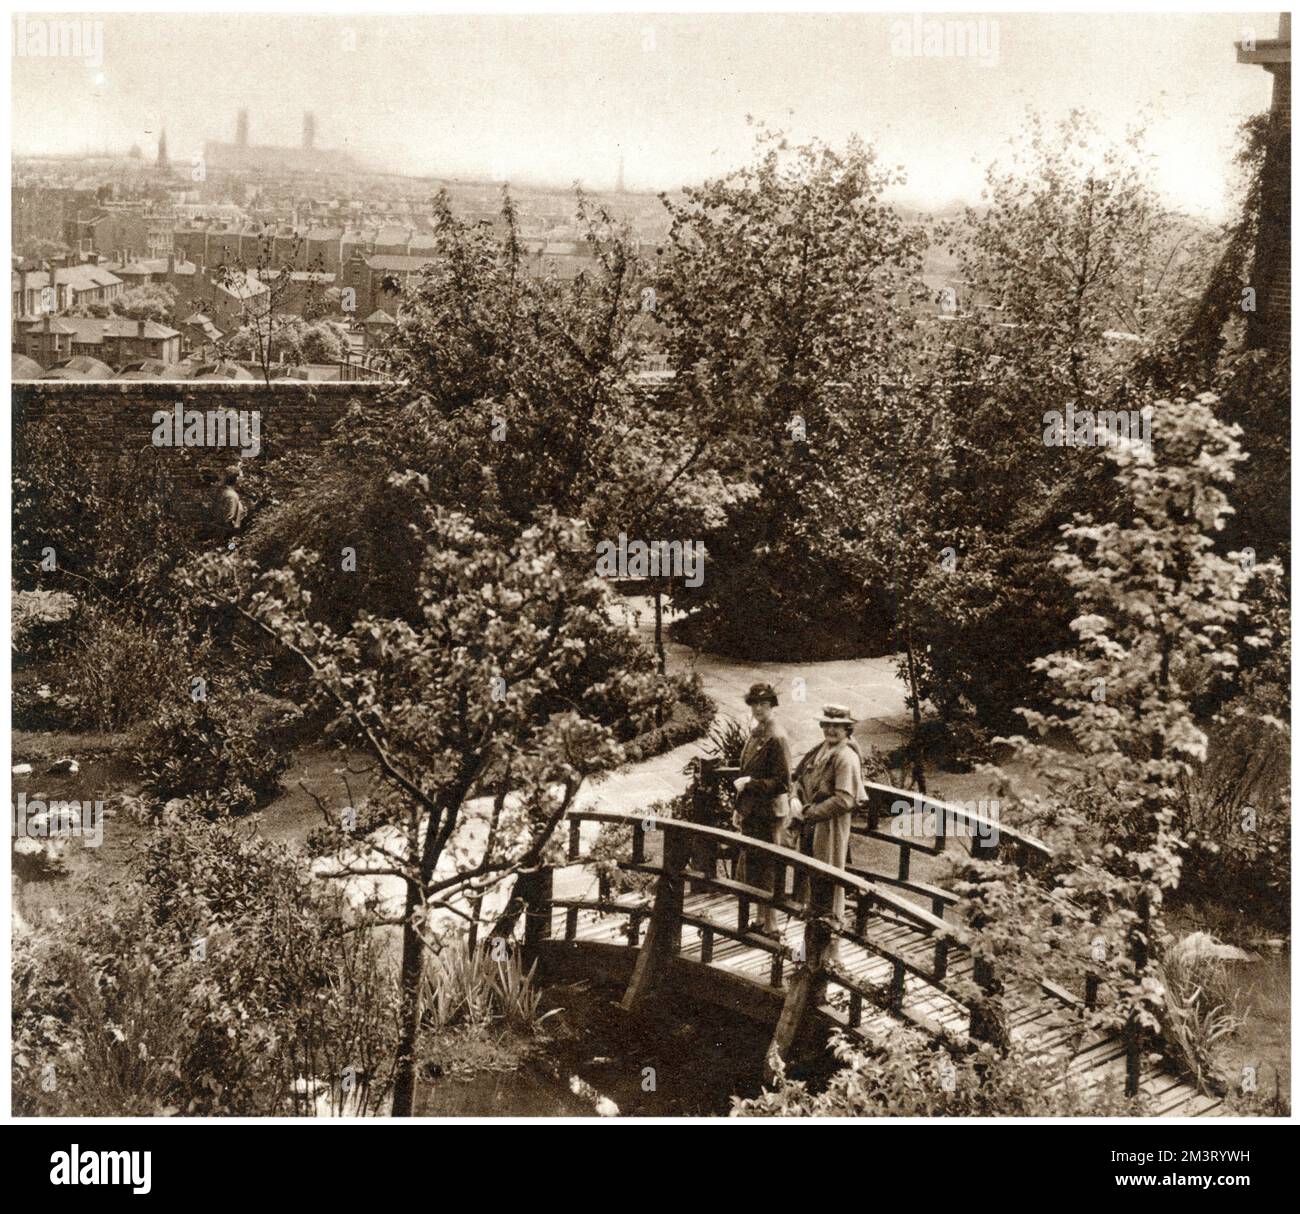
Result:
547,100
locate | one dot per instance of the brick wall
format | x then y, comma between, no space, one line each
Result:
113,418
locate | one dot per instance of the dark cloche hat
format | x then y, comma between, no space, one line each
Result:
760,693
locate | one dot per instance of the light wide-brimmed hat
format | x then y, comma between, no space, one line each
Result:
836,714
761,693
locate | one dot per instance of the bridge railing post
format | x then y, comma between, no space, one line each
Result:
808,985
987,1023
703,853
663,938
1134,1040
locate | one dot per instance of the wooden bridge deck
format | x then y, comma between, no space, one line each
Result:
1048,1024
899,966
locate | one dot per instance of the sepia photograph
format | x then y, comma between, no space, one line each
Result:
650,566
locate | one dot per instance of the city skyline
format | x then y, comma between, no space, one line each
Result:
546,100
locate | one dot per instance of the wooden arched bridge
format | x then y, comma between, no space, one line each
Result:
682,929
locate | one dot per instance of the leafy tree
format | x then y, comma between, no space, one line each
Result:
658,487
1073,244
1073,269
524,385
324,341
296,341
785,292
153,301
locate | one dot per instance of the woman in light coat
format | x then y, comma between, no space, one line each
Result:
828,787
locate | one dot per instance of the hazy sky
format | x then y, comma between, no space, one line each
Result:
559,97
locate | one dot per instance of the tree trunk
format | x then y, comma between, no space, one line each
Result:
412,972
659,631
527,892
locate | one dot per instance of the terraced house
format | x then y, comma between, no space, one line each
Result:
115,340
35,292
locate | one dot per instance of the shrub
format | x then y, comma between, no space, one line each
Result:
223,981
690,715
903,1073
212,754
792,605
38,619
713,802
115,669
109,526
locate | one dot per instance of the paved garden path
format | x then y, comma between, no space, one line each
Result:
868,686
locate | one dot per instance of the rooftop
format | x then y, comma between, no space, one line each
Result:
91,330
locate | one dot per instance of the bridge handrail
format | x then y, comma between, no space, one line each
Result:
868,895
959,813
793,859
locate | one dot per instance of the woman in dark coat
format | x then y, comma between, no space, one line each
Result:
763,796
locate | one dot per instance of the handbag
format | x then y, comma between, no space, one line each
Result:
768,809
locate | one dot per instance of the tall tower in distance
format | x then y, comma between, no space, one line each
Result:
241,129
308,131
162,149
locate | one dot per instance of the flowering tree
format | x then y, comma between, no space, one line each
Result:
264,292
471,716
1157,609
1157,605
